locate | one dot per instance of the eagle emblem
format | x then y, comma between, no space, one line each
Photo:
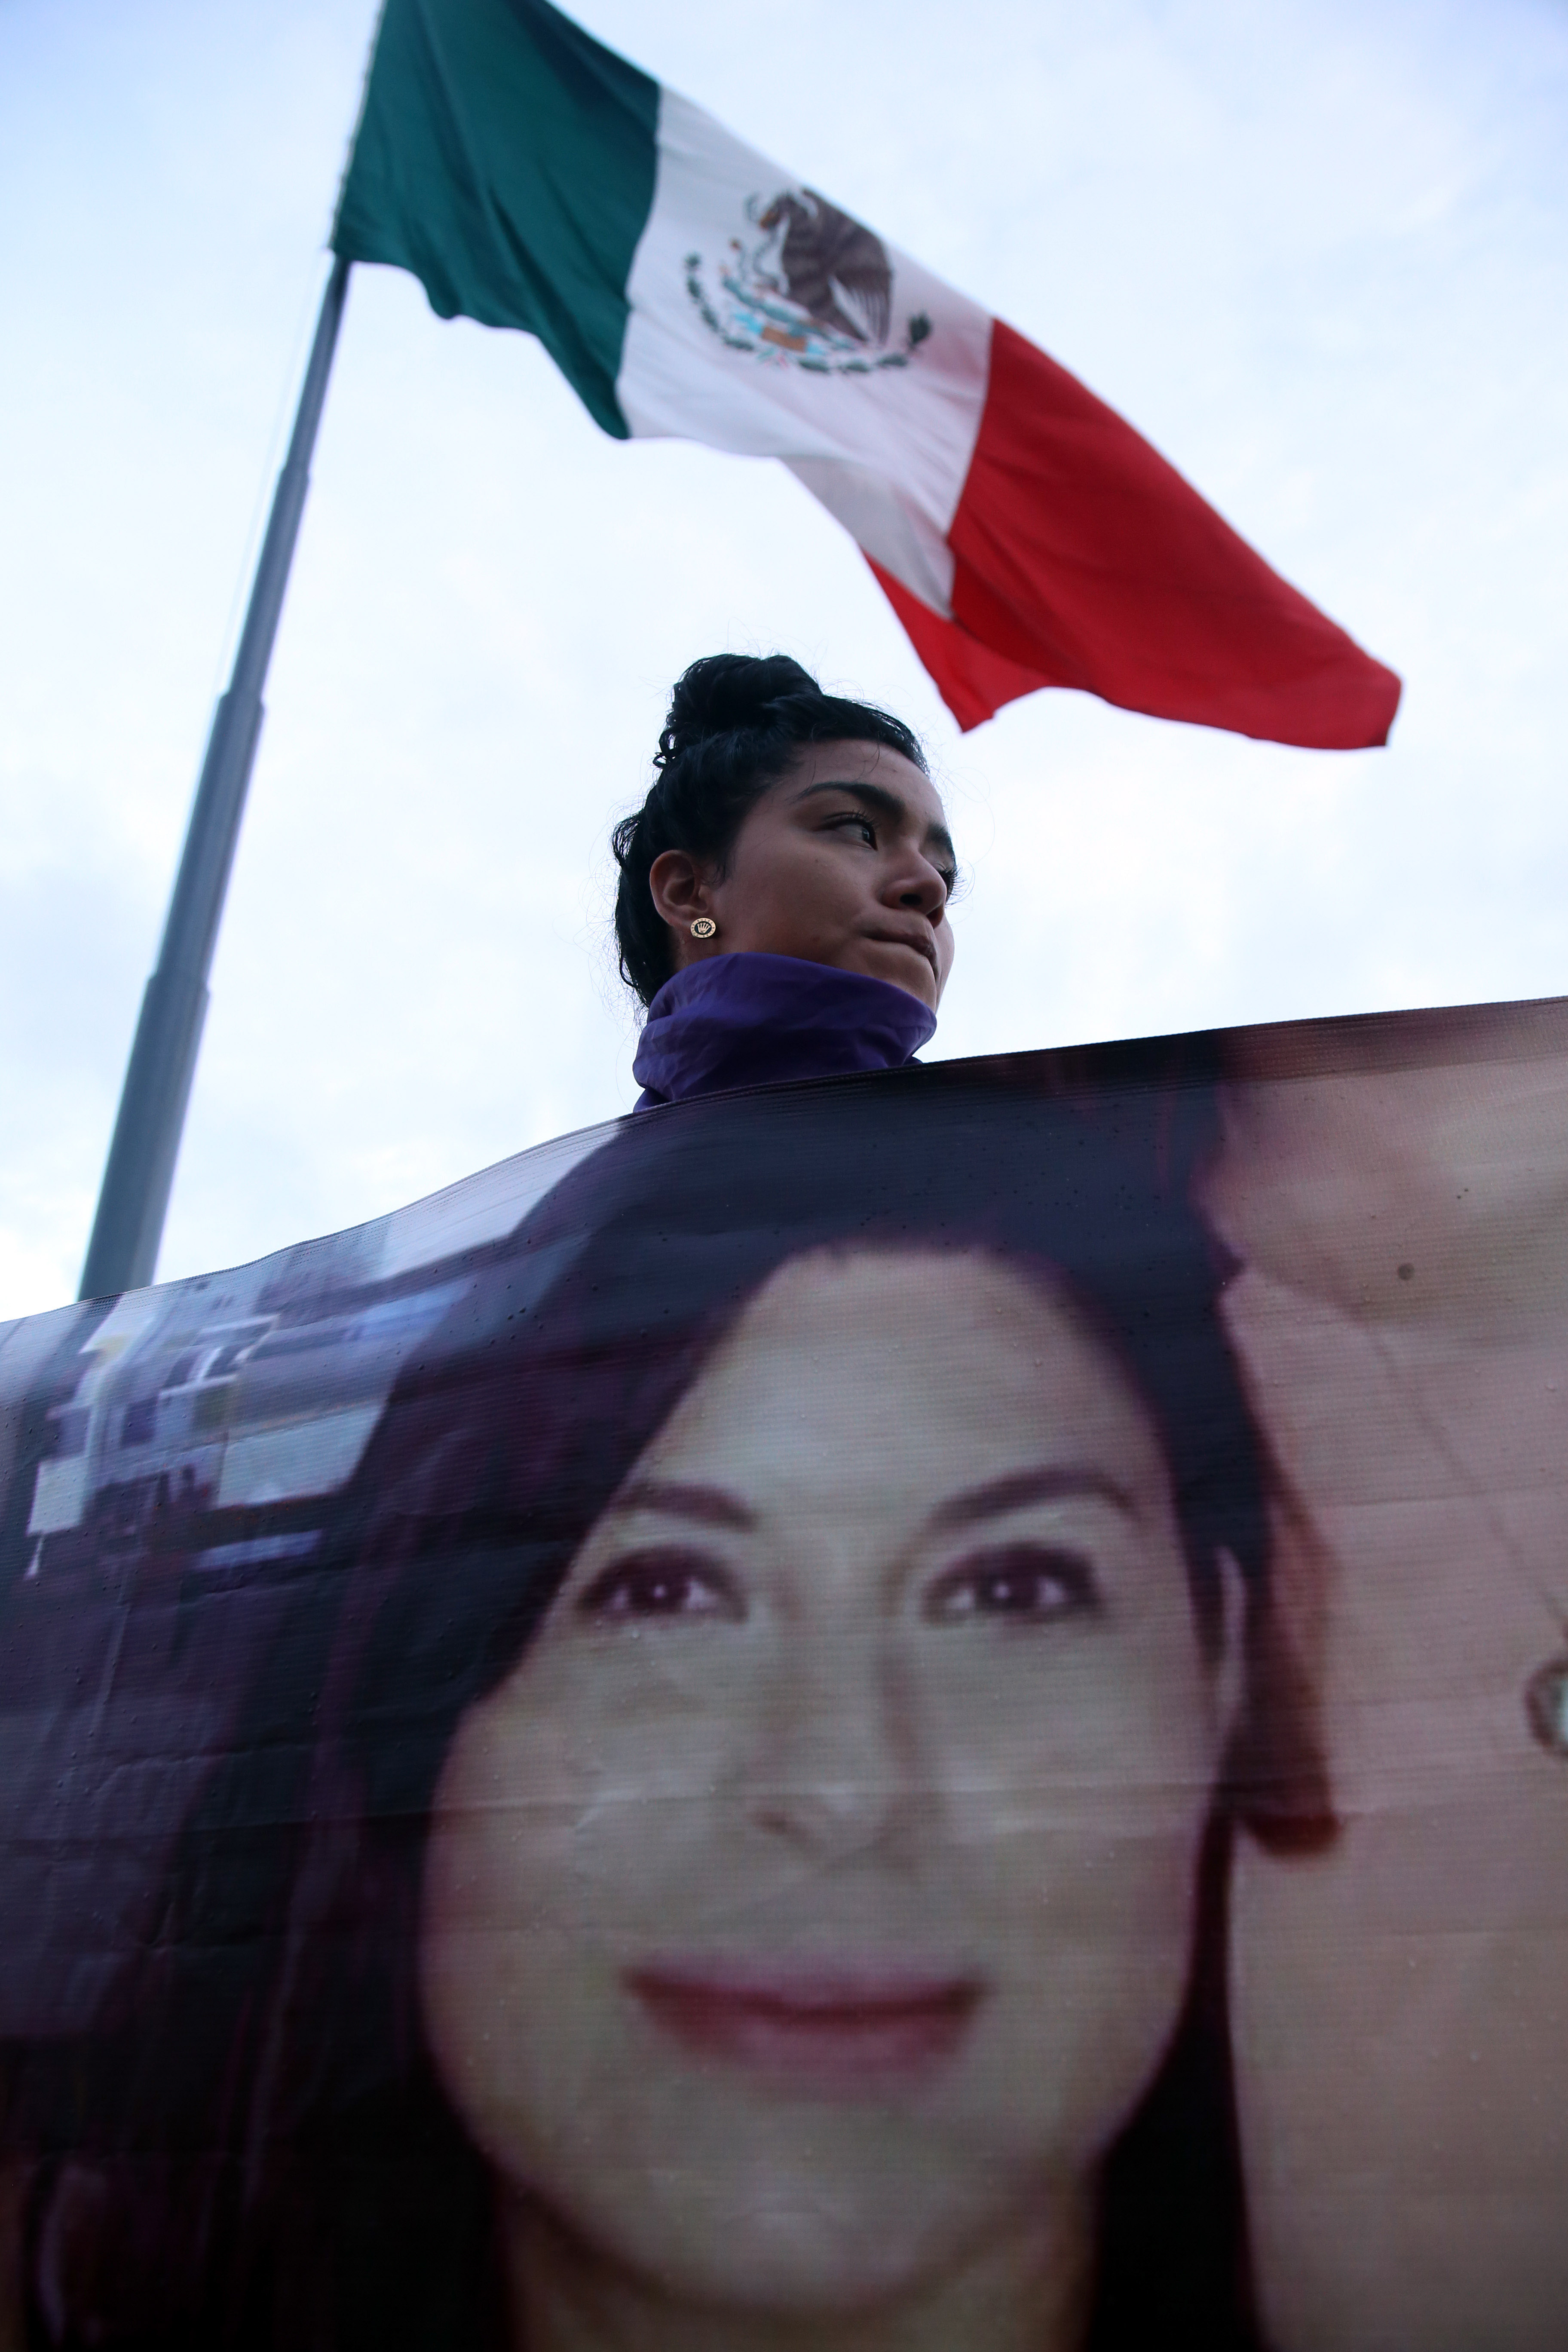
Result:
809,286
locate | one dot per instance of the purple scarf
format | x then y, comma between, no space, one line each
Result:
749,1020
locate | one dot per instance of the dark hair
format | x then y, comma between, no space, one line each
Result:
735,722
273,2159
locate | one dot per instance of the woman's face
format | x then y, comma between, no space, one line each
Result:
810,1907
846,861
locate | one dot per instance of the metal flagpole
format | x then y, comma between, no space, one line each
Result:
140,1171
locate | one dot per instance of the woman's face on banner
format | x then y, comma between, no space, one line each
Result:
812,1903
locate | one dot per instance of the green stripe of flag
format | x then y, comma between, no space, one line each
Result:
507,160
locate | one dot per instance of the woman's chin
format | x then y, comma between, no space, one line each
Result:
792,2234
900,967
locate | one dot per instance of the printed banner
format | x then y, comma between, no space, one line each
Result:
927,1709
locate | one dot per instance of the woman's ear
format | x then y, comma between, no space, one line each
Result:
681,891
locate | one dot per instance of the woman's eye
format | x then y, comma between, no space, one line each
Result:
1018,1584
654,1584
855,822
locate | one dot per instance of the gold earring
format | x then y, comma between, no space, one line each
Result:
704,928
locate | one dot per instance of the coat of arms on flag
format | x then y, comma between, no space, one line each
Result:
810,286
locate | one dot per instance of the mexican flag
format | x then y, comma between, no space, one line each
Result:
1025,533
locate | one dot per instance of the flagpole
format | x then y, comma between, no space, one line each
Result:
140,1171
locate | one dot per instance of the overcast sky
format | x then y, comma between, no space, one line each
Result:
1316,249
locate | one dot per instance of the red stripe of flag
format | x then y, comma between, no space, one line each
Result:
1082,559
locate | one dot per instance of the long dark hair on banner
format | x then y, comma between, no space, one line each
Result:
263,2157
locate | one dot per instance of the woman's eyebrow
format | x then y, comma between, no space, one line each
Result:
1023,1486
678,1500
883,804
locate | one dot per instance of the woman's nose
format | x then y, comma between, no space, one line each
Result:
923,885
834,1769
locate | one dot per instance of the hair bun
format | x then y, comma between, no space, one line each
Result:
722,693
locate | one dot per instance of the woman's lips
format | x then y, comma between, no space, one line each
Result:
825,2029
923,946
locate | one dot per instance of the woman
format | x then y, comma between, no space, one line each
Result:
782,907
762,1882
